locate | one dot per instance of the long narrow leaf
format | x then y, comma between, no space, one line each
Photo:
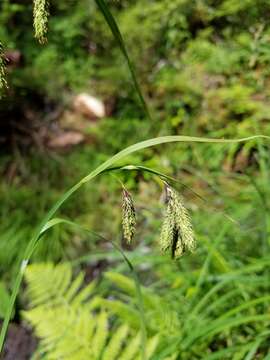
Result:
118,37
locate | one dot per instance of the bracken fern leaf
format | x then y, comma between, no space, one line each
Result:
101,334
113,348
66,324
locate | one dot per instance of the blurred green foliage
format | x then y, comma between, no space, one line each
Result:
204,68
221,44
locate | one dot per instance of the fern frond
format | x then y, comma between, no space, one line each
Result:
83,295
46,285
71,326
132,349
101,334
74,287
113,348
151,346
60,330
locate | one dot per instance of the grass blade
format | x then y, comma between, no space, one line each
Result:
217,355
217,327
120,41
252,353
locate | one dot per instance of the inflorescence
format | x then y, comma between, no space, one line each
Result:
176,234
128,216
3,82
41,16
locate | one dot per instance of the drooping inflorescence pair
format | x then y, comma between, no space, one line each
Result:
176,234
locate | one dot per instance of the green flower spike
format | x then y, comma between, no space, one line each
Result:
3,82
177,233
41,16
128,216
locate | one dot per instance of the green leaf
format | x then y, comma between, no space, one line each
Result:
4,299
118,37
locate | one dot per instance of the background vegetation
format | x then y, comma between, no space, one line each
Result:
204,69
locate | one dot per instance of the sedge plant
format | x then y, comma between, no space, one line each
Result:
177,235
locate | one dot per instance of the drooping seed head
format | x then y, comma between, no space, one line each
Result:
41,16
177,233
3,81
128,216
168,227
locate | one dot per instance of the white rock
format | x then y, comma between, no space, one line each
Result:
89,106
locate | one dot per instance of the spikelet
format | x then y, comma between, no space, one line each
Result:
128,216
177,233
41,16
3,82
